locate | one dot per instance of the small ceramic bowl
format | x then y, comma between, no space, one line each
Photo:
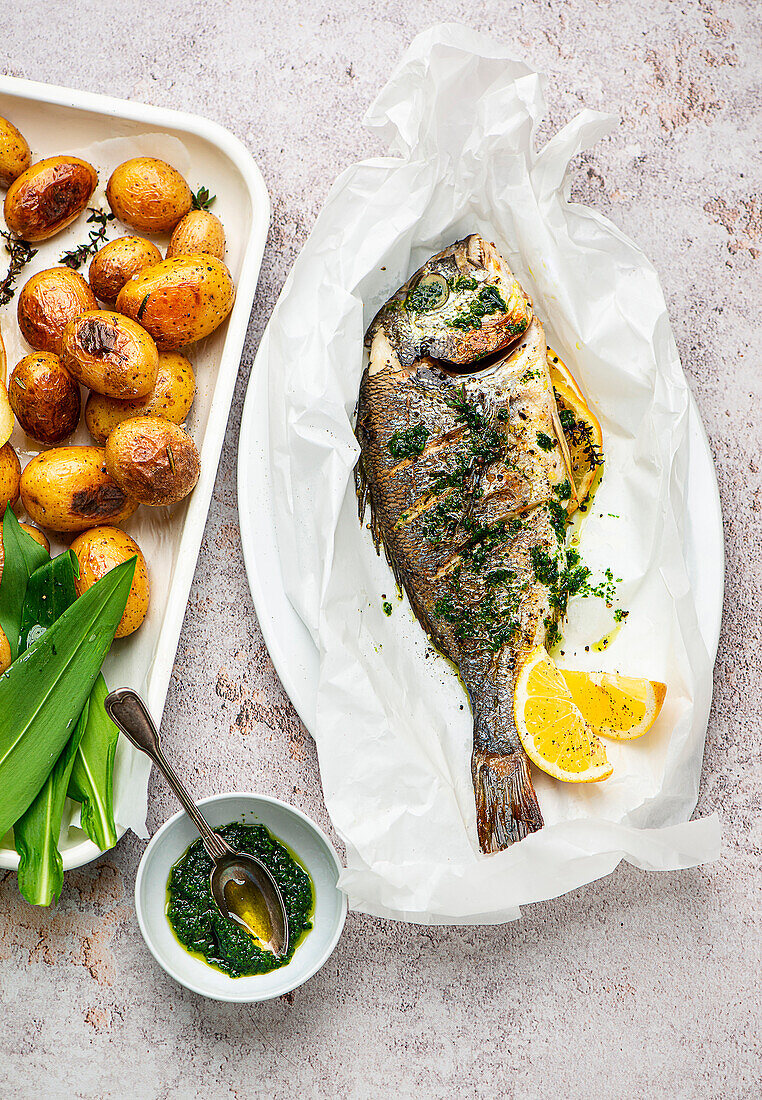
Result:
314,851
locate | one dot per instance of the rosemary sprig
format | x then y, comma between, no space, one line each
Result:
21,252
77,256
202,200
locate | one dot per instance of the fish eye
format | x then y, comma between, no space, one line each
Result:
429,294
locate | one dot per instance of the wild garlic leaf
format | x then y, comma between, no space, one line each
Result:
43,693
22,557
92,778
50,591
36,833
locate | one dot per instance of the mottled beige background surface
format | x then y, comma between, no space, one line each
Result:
637,985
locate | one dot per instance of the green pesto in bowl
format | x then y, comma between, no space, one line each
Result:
203,931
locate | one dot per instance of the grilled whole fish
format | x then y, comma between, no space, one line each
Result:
468,481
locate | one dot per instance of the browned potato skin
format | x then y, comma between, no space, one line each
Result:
49,196
118,261
44,397
15,156
69,489
110,354
179,300
200,231
153,461
148,194
10,477
47,302
100,550
170,399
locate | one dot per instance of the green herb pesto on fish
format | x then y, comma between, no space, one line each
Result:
463,304
470,511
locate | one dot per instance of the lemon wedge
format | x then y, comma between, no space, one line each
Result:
552,729
622,707
560,373
581,427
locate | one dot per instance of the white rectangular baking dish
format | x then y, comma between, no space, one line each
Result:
59,120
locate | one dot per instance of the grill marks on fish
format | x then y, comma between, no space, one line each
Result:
474,525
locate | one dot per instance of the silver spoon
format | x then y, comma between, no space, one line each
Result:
242,887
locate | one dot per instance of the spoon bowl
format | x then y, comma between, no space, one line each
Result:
246,892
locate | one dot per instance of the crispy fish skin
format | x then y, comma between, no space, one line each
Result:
463,304
467,478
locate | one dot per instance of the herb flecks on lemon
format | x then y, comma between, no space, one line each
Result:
553,732
621,707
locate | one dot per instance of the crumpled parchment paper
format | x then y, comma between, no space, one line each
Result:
393,726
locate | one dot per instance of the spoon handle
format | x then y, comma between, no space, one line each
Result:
128,711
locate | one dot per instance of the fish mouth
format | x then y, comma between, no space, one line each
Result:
488,364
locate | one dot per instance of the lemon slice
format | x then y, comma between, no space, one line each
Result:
616,706
553,732
559,372
581,428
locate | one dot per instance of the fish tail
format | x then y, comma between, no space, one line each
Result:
506,803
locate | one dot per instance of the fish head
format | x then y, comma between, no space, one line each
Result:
463,304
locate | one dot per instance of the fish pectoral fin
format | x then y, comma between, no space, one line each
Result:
506,803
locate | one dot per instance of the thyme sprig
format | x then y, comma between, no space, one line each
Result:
77,256
202,200
21,252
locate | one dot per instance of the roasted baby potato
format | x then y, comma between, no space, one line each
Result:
44,397
170,399
69,489
110,354
47,302
15,157
49,196
179,300
117,262
148,194
100,550
10,477
198,232
152,460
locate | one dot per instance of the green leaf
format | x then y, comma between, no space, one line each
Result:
43,693
50,591
36,833
22,557
92,780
